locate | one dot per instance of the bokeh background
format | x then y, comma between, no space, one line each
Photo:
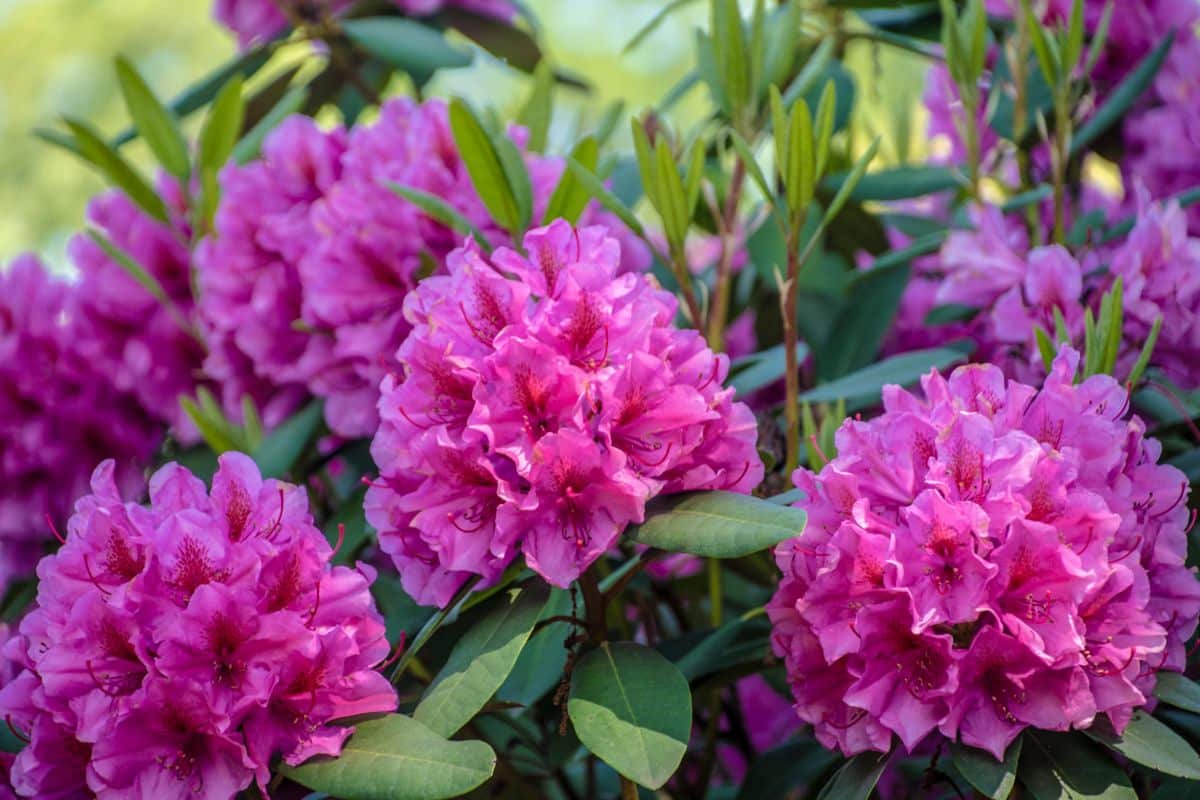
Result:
56,59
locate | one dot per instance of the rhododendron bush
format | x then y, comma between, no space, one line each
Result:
386,445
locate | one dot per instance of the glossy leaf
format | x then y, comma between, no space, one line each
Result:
632,708
595,187
1178,690
777,773
397,758
990,777
898,183
570,197
155,123
481,660
856,779
443,212
716,524
1151,743
1062,766
765,368
484,165
222,126
1129,91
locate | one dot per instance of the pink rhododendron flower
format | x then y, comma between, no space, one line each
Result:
982,558
542,401
1159,265
147,347
60,415
177,649
259,20
250,290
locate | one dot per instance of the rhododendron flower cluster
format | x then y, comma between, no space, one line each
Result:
982,558
304,281
60,415
254,21
543,400
177,649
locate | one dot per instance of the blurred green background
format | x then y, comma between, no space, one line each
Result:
57,59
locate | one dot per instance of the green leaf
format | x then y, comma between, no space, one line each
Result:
752,168
142,277
539,669
1131,89
278,453
1045,346
484,164
406,45
873,299
354,524
721,648
632,708
716,524
865,384
213,429
95,150
570,197
481,660
1151,743
765,368
1074,40
852,180
1178,690
951,312
672,199
248,148
517,176
441,211
653,23
157,125
594,187
856,779
1062,766
535,115
60,140
993,778
897,183
222,126
397,758
775,774
818,64
1143,359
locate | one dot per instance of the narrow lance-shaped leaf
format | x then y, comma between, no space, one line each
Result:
156,124
856,779
443,212
1074,41
672,202
1143,359
95,150
751,163
847,187
823,126
653,23
250,145
142,277
1131,89
483,164
595,187
570,197
695,174
535,115
406,45
222,126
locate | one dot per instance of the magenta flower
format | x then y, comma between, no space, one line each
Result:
60,415
254,21
148,348
982,558
178,649
543,400
1159,265
250,289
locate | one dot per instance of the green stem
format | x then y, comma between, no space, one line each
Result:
715,598
791,374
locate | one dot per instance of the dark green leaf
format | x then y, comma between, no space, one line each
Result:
776,774
1128,92
95,150
850,183
993,778
397,758
353,521
765,368
570,197
540,666
517,176
873,300
481,660
856,779
717,524
951,312
250,145
1062,766
405,44
713,652
278,453
157,126
632,708
1148,741
1178,690
904,369
898,183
